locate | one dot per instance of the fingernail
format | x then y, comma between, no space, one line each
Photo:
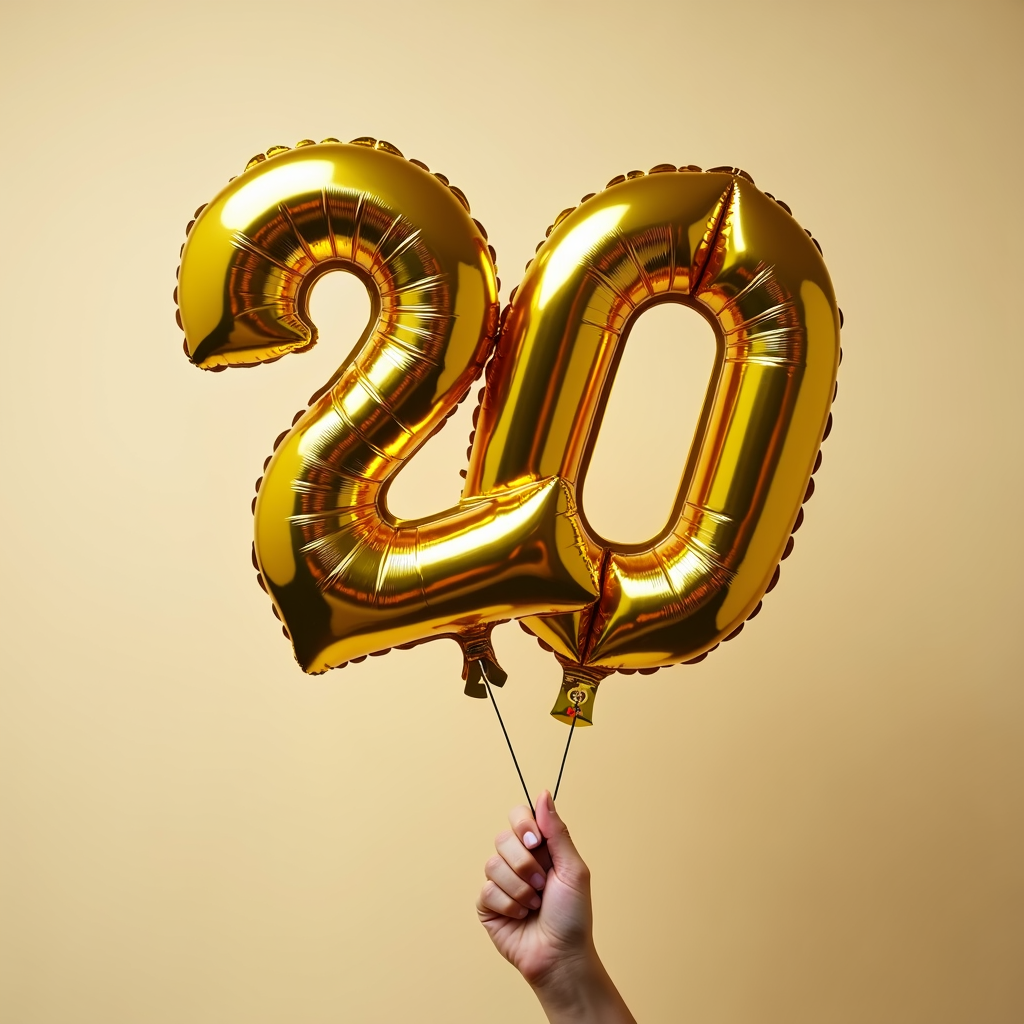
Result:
535,902
531,840
538,881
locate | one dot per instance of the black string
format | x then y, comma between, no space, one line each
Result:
566,754
487,683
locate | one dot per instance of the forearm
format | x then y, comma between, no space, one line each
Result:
582,992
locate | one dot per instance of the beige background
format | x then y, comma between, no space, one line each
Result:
821,823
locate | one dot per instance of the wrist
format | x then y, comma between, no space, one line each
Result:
580,989
568,975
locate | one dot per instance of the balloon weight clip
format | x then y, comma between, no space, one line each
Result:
575,703
479,662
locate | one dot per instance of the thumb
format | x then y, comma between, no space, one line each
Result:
565,859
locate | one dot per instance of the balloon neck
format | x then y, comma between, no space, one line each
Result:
478,658
579,688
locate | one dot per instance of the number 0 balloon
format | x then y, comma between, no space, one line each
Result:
714,242
346,577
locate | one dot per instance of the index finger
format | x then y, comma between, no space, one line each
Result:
524,825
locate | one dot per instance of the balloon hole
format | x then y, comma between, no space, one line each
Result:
630,486
340,307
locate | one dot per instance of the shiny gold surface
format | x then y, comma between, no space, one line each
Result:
346,577
714,242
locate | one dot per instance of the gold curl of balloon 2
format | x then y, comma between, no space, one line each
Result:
346,577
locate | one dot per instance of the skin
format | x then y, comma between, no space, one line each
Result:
536,907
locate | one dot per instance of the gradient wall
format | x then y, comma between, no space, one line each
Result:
823,822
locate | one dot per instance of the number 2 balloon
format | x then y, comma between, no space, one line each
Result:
346,577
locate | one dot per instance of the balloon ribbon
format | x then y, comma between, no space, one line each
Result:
576,715
487,683
515,760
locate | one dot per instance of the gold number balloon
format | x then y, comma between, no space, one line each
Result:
714,242
346,577
349,579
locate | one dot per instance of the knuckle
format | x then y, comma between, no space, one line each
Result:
524,865
492,864
503,837
500,900
579,875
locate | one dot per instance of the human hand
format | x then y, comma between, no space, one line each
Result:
536,904
537,910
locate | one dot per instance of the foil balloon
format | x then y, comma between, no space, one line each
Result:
714,242
346,577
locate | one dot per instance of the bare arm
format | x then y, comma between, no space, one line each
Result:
537,910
